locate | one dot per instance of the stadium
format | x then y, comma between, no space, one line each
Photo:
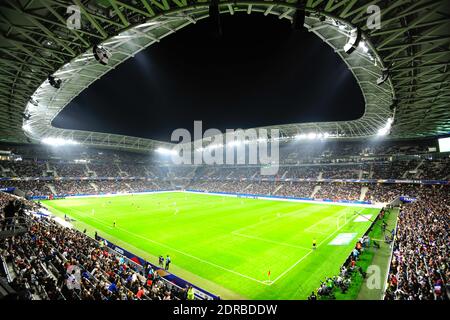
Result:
339,208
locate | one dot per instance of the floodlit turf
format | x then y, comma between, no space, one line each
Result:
228,245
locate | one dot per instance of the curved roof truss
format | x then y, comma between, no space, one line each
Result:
413,43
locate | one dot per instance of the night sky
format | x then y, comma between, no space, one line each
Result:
259,72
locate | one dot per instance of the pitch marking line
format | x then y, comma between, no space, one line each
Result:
301,259
291,267
176,250
315,224
262,221
270,241
332,217
267,283
332,234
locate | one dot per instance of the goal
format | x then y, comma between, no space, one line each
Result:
341,220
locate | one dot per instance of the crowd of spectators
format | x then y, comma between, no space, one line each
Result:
303,172
386,192
326,152
344,171
26,168
339,191
72,187
379,192
434,169
57,263
333,191
420,266
103,170
43,259
297,189
392,170
263,187
219,186
134,169
416,168
31,188
4,199
68,169
45,188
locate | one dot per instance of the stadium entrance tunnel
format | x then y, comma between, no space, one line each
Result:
364,63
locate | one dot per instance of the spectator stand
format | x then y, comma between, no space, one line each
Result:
141,264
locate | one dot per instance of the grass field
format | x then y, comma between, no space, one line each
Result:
227,245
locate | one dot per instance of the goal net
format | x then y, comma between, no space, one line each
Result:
341,219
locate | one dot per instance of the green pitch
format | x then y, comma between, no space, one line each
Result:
228,245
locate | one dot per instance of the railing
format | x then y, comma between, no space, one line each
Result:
5,267
386,279
170,278
141,268
14,225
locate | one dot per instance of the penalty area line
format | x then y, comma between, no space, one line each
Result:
268,240
333,233
291,267
311,250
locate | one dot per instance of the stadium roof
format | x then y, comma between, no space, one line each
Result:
412,44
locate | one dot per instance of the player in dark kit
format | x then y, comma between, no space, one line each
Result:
167,262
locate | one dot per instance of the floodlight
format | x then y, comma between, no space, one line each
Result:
382,132
26,127
363,46
342,27
101,54
300,136
386,129
166,151
384,76
54,82
58,141
353,41
34,102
